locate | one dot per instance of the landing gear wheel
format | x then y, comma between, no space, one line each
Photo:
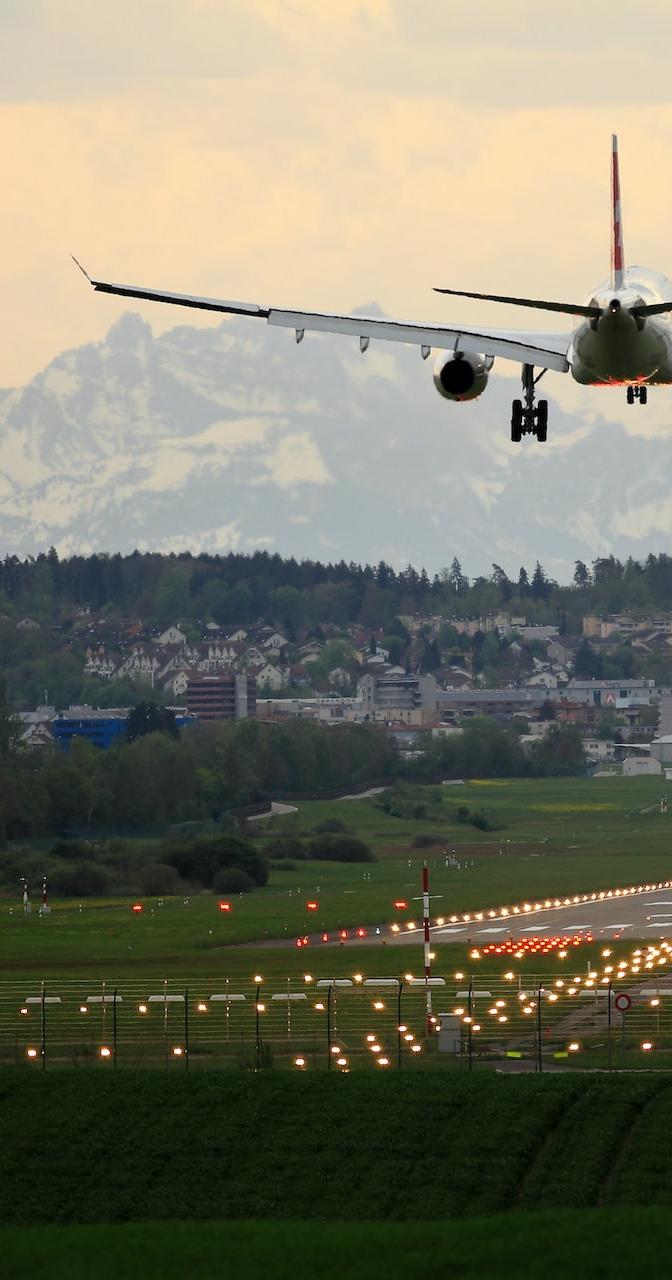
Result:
526,417
643,395
630,395
517,421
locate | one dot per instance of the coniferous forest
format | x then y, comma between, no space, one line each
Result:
238,589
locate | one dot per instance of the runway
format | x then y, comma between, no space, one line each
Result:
640,915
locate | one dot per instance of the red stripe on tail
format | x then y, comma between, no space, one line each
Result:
617,257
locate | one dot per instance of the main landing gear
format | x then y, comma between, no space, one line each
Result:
525,418
637,393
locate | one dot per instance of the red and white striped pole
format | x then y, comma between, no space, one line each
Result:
425,923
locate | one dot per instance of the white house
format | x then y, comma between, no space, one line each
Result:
275,641
173,635
270,677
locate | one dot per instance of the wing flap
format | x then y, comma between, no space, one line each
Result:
547,350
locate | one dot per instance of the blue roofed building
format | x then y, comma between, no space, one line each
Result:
99,725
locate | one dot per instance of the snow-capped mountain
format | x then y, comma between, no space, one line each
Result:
234,437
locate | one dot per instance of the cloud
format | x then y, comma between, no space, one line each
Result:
311,154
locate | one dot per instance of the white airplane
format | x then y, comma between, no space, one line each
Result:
619,341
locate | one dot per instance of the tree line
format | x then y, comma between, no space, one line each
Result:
160,779
239,589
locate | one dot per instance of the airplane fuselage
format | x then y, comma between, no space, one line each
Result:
618,348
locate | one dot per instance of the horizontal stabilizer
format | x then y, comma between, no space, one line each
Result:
566,308
651,309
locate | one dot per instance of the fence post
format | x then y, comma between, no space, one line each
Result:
539,1062
257,1049
165,1022
186,1028
399,991
43,1038
469,998
609,1024
114,1029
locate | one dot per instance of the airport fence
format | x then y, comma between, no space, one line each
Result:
466,1022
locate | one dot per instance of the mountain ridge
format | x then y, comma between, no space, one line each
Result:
234,438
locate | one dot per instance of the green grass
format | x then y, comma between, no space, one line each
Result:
92,1147
559,836
616,1244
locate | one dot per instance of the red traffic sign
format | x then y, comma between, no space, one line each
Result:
622,1002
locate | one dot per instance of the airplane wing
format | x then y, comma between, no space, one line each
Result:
546,350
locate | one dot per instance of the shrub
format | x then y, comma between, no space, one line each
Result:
200,860
72,849
232,880
341,849
286,847
80,880
425,841
157,878
475,819
332,825
480,821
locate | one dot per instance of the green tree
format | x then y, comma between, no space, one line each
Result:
146,718
581,575
588,664
560,753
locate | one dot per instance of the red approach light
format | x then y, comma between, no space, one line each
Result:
401,905
344,933
137,907
325,937
224,906
299,942
361,933
311,906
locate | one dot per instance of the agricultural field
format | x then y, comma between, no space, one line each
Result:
619,1243
247,1145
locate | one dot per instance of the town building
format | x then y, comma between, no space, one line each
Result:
500,704
228,696
392,691
101,726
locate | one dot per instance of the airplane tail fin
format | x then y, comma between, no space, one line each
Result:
617,259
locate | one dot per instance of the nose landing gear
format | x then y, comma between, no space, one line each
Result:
637,393
526,418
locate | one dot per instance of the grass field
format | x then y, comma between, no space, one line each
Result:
617,1244
143,1146
365,1171
556,836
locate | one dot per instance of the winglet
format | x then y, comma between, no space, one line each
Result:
82,269
617,257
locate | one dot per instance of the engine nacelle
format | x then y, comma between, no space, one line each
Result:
459,376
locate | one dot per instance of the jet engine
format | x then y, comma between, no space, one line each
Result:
459,376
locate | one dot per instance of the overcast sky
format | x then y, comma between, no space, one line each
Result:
322,153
